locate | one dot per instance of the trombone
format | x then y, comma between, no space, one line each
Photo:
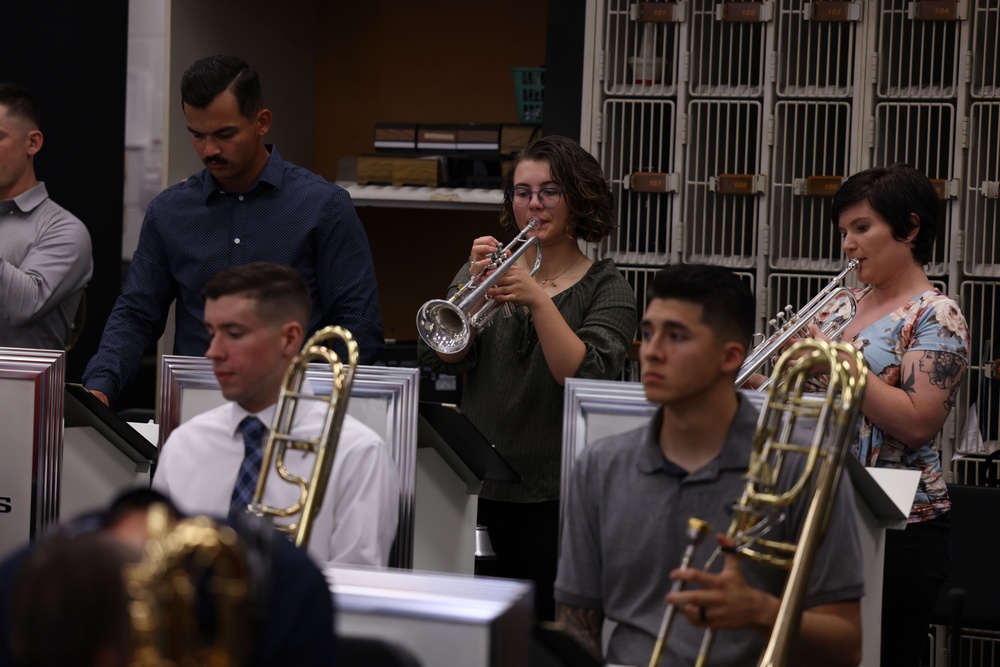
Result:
323,446
446,325
761,506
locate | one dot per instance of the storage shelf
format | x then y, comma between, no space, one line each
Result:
421,197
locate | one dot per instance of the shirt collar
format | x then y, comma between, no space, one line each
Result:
735,454
272,174
237,413
31,198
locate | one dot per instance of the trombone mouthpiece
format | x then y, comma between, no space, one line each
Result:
697,530
531,224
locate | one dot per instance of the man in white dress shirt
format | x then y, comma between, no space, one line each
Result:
256,315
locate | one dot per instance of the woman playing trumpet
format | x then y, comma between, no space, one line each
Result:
916,343
575,318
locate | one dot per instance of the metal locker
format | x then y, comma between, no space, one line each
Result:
815,49
640,48
810,154
722,183
981,225
922,135
636,155
726,48
918,49
985,81
980,302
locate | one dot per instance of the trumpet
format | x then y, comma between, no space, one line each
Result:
446,325
324,446
761,508
787,324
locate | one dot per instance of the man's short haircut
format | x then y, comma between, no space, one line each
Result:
895,192
209,77
280,292
726,301
69,602
20,103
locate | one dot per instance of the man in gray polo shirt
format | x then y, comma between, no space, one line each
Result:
631,495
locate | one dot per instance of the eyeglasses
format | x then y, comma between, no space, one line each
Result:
547,197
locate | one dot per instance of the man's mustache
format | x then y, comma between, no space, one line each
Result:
215,160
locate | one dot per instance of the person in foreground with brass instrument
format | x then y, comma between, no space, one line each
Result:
63,598
256,316
916,343
631,496
576,319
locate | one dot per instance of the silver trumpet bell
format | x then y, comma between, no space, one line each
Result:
484,548
446,325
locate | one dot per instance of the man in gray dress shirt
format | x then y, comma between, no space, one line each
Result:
45,258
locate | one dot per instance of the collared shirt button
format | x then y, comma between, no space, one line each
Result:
236,240
241,197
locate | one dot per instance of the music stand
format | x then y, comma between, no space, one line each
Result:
445,427
453,461
102,454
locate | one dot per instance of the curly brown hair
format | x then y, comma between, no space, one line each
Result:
585,190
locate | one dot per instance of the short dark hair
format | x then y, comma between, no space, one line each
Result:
281,293
20,103
69,602
895,192
585,189
726,301
207,78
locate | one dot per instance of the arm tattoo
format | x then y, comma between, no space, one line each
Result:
944,370
584,625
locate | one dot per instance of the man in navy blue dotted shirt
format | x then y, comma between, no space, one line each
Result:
248,205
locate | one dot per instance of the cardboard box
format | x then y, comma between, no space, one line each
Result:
396,137
479,138
437,138
400,170
514,138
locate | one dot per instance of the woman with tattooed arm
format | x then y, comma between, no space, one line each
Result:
916,344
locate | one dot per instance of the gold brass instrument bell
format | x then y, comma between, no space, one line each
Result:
323,446
821,460
179,564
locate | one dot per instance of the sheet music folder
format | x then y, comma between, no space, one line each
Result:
445,427
84,409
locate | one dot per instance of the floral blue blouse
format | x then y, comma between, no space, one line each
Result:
932,322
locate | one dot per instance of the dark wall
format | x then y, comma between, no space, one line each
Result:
564,68
72,56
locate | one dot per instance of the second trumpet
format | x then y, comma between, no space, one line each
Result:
446,325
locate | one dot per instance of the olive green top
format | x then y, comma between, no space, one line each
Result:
509,393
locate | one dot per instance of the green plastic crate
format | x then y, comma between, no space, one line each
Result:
529,85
